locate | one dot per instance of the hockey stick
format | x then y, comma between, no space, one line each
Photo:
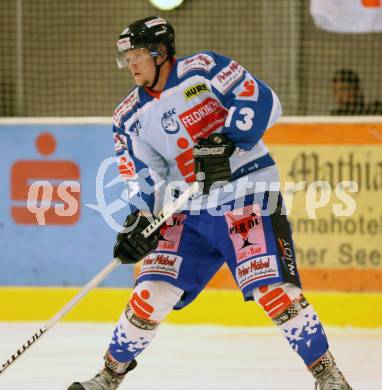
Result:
166,213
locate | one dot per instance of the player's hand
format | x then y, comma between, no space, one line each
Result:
131,246
211,158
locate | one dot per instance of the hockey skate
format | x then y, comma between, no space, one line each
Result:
107,378
332,379
104,380
328,376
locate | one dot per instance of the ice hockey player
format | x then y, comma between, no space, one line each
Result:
204,114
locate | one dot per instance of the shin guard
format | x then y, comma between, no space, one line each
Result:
296,318
150,303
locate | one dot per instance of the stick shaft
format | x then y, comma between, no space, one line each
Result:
22,349
84,291
36,336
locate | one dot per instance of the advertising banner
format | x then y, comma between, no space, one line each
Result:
60,203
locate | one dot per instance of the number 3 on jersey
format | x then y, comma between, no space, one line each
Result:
245,122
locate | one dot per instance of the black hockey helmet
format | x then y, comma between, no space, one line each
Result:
146,33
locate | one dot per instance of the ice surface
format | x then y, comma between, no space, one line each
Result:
185,358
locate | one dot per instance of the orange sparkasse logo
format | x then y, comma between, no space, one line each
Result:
50,188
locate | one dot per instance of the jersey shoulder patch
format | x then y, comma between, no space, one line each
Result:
128,104
201,61
248,89
228,77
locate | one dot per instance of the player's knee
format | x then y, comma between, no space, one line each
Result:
281,301
151,302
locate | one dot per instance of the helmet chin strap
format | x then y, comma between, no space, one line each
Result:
157,71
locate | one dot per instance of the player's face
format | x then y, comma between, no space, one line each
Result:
344,92
142,67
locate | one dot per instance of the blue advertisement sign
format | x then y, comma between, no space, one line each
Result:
61,204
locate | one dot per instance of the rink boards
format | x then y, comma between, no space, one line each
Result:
223,307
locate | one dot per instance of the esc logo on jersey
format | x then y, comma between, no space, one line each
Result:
169,123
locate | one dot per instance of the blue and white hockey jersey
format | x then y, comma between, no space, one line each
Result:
205,93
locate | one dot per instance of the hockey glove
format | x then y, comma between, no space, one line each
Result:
211,158
132,246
